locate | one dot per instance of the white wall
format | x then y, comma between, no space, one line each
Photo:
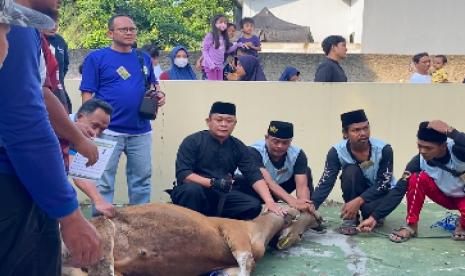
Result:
413,26
324,17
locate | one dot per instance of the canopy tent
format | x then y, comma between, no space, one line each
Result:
272,29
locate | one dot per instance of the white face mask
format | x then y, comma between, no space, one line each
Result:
181,62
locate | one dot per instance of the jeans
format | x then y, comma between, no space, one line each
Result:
138,151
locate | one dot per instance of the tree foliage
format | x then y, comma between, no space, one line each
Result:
83,23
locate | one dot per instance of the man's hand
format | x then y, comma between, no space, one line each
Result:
351,208
223,185
232,76
88,149
107,209
85,129
367,225
161,96
303,205
440,126
274,207
82,240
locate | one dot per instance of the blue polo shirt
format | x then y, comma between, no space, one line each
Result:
31,149
117,78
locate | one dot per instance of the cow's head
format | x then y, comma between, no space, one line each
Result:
292,233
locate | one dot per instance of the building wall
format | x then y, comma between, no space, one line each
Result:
324,17
359,68
394,111
413,26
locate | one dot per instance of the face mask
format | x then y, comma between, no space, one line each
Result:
221,26
181,62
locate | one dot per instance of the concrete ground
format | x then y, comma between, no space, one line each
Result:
433,253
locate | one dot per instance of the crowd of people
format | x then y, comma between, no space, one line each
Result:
216,173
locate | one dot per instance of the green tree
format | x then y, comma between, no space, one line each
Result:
167,22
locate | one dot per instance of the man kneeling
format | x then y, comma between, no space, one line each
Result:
283,166
438,171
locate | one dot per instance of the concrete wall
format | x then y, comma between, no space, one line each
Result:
359,68
324,17
394,111
413,26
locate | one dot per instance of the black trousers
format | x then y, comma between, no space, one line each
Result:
29,240
289,186
235,204
353,184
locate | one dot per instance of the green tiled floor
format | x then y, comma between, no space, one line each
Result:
370,254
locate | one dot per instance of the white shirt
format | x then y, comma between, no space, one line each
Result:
419,78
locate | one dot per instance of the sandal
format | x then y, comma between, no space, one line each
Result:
394,236
348,227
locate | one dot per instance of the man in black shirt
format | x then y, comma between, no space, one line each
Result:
438,171
205,164
366,165
329,70
283,166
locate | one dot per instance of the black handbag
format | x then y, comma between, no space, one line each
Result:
149,106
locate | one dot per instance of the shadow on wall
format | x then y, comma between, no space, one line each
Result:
358,67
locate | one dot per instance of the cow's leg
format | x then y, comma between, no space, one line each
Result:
107,230
232,271
239,243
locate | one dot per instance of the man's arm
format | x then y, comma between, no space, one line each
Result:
185,162
327,180
86,96
395,195
90,189
262,189
383,178
65,129
300,177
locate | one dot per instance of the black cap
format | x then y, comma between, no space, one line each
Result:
223,108
282,130
429,134
352,117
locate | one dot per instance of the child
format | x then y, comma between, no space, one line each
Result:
439,75
250,41
215,45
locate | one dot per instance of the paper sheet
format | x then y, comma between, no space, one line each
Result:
78,165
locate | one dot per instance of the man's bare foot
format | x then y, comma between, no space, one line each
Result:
404,233
459,233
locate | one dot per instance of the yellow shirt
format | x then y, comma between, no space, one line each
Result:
439,76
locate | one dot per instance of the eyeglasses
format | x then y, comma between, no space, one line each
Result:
127,30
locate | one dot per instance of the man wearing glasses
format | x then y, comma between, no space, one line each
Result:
118,75
205,164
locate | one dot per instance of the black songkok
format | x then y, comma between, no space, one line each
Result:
352,117
281,130
429,134
223,108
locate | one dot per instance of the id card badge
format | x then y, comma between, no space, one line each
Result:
366,164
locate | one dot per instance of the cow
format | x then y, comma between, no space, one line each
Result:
166,239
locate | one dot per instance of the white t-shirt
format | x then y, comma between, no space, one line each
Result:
419,78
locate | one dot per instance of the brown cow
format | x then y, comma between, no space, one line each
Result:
166,239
